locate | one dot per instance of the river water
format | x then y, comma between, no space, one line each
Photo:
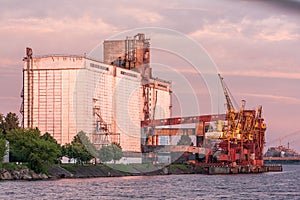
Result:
272,185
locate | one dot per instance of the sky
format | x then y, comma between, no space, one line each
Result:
255,45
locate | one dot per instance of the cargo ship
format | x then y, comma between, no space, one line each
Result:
281,155
223,144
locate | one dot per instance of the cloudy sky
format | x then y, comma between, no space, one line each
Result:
255,45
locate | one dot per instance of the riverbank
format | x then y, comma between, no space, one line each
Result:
118,170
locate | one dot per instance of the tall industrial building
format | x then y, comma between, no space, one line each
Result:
63,95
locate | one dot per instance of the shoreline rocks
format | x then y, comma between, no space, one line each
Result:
22,174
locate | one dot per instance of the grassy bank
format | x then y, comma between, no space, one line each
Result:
117,170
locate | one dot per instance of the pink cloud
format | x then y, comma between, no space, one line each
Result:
263,74
52,25
286,99
270,29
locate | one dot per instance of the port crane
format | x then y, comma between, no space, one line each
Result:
229,103
238,140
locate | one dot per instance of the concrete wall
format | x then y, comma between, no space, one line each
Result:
128,105
51,90
67,89
159,105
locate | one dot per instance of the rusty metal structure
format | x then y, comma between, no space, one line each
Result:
233,139
103,135
28,70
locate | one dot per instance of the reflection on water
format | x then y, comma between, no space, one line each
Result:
279,185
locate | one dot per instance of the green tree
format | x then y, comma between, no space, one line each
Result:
80,149
47,137
117,151
106,154
21,143
2,148
2,122
28,146
78,152
44,154
83,139
11,122
184,140
111,152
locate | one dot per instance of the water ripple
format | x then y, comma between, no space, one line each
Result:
282,185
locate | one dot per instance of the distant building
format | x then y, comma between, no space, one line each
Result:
63,95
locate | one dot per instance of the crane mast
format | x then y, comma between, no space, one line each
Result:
229,104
